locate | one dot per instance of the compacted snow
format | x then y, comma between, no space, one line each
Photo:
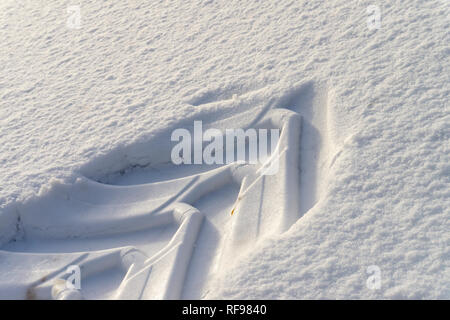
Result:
91,92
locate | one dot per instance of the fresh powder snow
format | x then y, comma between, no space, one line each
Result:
352,203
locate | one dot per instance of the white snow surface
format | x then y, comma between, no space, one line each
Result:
375,150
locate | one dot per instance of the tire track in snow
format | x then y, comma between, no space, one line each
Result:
272,205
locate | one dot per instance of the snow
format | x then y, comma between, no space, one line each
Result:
99,102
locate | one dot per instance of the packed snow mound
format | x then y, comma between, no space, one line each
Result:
96,99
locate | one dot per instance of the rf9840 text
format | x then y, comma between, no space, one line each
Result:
246,309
